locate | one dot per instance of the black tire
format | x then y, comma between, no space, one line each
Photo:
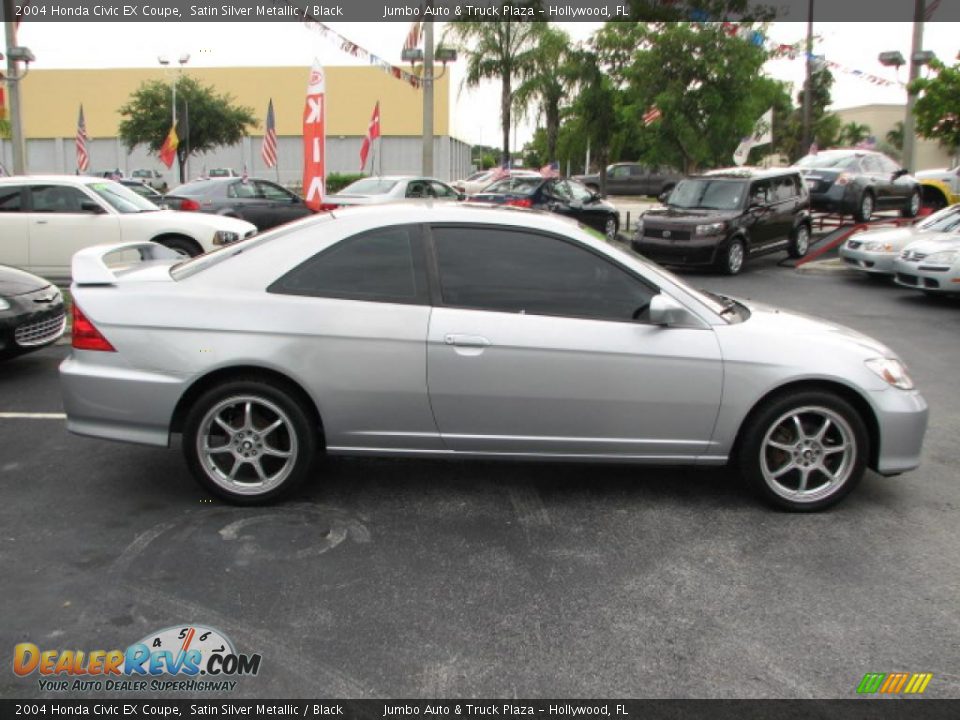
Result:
799,242
184,246
263,465
912,208
865,207
933,198
731,257
774,456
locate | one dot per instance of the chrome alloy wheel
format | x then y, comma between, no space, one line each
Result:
914,204
803,240
610,229
808,454
247,445
735,257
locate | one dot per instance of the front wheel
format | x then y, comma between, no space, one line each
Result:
912,209
864,210
182,246
800,242
804,451
730,261
249,441
610,228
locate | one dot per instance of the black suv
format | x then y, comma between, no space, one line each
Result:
725,216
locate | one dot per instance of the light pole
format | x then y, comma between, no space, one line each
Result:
182,60
15,55
427,79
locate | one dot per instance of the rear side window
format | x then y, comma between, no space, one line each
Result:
10,198
56,199
511,271
382,265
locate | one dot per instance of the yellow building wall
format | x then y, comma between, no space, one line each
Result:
881,119
51,98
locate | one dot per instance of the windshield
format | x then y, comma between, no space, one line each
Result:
826,160
708,194
517,185
709,300
122,199
946,220
369,186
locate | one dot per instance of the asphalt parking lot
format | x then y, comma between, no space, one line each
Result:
417,579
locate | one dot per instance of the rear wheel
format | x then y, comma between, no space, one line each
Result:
865,209
249,441
731,259
800,242
912,208
804,451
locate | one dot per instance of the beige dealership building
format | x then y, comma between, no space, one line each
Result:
881,119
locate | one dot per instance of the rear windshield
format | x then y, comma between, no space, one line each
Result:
827,160
369,186
946,220
193,189
517,185
708,193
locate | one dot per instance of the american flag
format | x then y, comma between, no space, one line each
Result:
500,173
413,36
651,116
83,158
268,150
551,170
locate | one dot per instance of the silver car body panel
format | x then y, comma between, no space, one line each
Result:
914,270
388,379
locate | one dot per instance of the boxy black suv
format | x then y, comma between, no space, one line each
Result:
725,216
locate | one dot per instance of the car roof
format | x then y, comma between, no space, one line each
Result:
67,179
446,212
751,173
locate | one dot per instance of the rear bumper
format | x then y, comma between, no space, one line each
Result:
837,199
117,403
902,419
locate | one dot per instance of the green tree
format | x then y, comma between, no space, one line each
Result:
895,136
544,84
206,120
498,50
824,126
708,84
938,108
4,128
854,133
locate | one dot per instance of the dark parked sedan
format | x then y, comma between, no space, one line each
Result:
261,202
558,195
859,182
31,313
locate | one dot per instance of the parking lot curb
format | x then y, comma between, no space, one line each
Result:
833,266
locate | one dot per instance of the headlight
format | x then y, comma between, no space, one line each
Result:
4,305
225,237
711,229
893,371
945,257
877,246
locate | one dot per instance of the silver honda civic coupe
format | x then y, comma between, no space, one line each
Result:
475,332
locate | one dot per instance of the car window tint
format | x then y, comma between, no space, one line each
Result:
10,198
559,189
785,188
56,199
621,171
871,164
241,190
442,191
273,192
416,189
519,272
760,192
888,165
579,192
384,265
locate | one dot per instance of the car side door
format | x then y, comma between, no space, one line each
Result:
880,182
244,201
63,219
282,205
14,227
535,348
761,218
618,180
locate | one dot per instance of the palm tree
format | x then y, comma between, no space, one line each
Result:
895,136
545,82
498,50
854,133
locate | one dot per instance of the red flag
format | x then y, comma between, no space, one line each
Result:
315,139
651,116
168,152
413,36
373,132
3,104
83,158
269,149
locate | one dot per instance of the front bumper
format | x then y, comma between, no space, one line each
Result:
914,275
902,420
31,323
697,251
871,262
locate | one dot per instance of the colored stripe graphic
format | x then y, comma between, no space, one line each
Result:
871,683
894,683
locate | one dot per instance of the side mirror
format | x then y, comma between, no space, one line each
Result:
664,196
89,206
900,173
666,311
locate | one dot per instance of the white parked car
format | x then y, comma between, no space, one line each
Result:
482,180
45,219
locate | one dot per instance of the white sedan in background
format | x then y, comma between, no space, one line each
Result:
45,219
479,181
391,188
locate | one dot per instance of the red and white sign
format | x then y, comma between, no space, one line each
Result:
315,139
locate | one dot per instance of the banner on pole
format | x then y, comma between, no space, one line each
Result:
315,139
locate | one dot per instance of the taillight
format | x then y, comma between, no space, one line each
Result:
85,336
520,202
189,204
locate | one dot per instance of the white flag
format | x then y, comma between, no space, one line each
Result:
762,135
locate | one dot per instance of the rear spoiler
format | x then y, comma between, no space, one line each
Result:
88,266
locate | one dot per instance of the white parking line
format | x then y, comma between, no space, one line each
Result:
32,416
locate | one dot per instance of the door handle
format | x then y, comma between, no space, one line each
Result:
472,341
41,222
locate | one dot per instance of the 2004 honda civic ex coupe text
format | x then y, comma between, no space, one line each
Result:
444,330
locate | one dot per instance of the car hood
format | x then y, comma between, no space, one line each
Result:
897,237
942,174
794,325
17,282
678,215
175,218
936,242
